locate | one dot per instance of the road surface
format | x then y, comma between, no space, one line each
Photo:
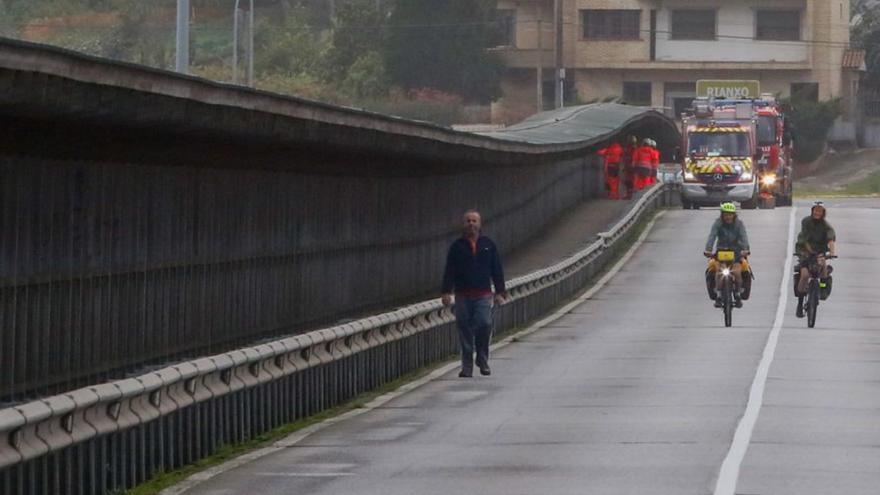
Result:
639,390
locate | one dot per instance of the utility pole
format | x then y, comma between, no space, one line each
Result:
250,72
182,58
235,18
540,69
559,77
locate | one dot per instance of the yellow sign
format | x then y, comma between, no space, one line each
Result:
726,256
729,89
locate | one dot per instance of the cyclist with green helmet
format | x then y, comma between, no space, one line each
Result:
728,233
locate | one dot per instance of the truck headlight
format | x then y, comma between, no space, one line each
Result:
746,176
688,175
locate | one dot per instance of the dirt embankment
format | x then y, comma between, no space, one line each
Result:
837,173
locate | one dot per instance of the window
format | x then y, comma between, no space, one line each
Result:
718,143
505,33
680,104
693,25
766,130
569,92
678,97
611,24
637,93
805,92
778,25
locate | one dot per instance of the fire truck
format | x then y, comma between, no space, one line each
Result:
775,171
769,164
719,154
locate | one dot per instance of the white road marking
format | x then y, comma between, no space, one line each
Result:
729,474
296,437
305,475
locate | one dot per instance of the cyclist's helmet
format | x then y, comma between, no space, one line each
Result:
819,204
728,208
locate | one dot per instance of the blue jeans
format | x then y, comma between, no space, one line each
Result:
474,318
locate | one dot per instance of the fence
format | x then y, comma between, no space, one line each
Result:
108,268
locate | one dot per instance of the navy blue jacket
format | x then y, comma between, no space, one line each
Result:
470,273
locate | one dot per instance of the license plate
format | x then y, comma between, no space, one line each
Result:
726,256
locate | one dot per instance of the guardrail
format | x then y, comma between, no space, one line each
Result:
110,436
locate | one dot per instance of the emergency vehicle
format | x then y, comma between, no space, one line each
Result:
719,154
774,167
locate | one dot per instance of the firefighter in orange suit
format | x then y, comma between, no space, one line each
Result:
643,159
629,150
612,155
655,162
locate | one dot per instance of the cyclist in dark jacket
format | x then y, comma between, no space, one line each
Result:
728,233
817,237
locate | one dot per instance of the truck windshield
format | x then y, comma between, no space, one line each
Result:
719,144
766,130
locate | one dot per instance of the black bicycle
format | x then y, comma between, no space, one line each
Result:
818,289
725,260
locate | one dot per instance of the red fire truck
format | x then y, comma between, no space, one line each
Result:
773,134
774,139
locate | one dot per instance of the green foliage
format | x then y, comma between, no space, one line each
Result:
358,34
443,45
366,77
812,121
866,34
287,45
411,58
139,38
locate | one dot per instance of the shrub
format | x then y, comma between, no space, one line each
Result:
811,122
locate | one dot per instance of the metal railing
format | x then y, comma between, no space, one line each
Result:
115,435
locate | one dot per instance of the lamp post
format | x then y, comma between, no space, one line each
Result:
559,76
235,43
182,55
250,71
249,47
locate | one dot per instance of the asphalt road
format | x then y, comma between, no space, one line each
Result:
637,391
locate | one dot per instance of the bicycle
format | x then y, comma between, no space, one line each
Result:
815,286
726,259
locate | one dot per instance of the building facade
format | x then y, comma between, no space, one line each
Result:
652,52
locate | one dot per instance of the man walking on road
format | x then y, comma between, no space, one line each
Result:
472,266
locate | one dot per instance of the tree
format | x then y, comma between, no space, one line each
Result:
865,33
358,35
139,38
811,121
287,45
366,77
442,45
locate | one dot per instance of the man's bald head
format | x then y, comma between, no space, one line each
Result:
471,223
